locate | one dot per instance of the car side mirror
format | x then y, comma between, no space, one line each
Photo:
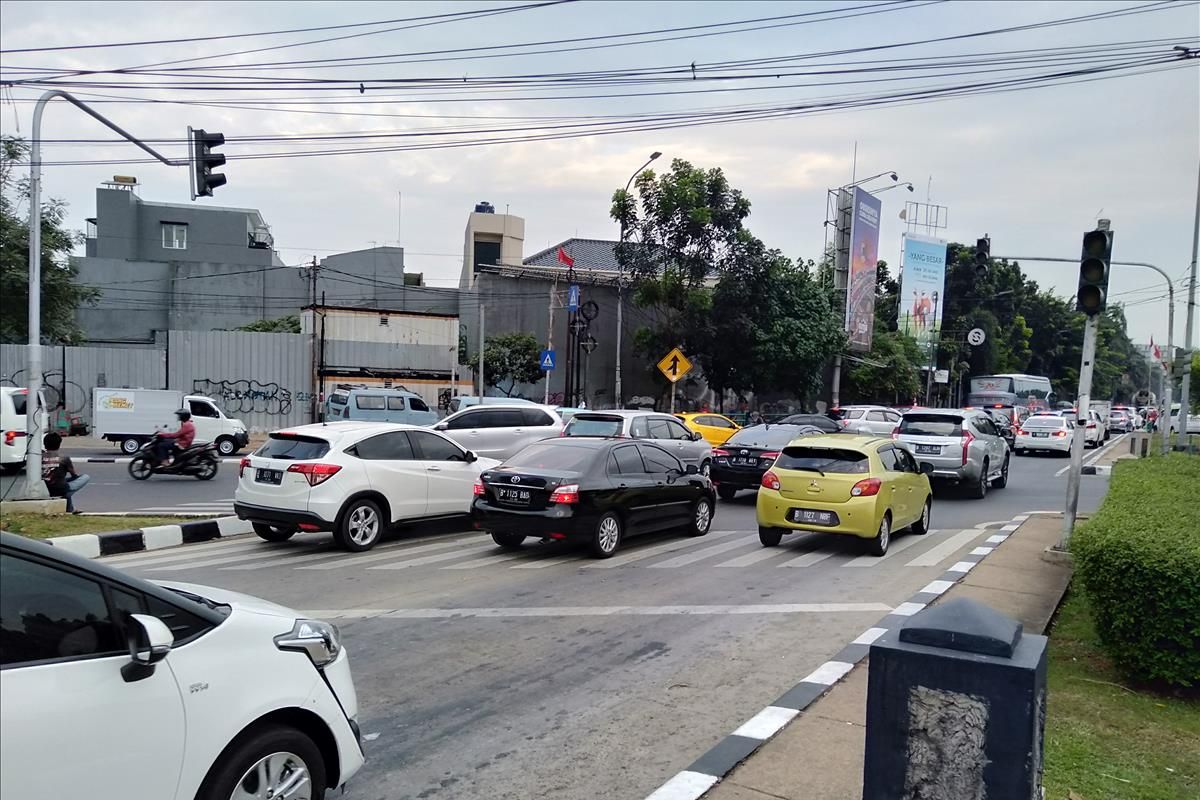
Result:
697,436
470,457
441,426
692,469
149,641
926,468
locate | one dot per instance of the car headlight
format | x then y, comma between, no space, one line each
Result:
320,640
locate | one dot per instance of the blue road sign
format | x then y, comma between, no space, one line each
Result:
573,298
546,360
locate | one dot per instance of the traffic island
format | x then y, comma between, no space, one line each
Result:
88,537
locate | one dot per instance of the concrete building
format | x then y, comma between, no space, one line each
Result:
491,239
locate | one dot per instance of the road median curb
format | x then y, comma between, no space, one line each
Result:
155,537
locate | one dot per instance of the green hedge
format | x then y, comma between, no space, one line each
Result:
1139,561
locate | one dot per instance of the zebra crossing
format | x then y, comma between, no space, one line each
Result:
210,508
724,550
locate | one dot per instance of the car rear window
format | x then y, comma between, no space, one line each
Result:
557,457
1045,422
593,425
774,436
824,459
931,425
339,398
293,447
20,403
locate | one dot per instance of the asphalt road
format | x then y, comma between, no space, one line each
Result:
488,674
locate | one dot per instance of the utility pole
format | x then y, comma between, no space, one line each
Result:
316,377
34,488
482,386
1185,390
550,338
1090,328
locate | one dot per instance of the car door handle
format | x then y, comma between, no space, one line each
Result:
433,469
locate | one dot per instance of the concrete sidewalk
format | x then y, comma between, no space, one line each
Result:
819,755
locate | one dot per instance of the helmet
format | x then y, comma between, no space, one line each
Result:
183,414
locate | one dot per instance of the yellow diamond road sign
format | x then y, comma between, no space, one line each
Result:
675,365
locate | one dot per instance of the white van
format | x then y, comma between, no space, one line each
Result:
131,417
13,439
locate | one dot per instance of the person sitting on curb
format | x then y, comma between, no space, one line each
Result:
56,469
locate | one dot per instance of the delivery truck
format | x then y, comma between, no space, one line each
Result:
131,417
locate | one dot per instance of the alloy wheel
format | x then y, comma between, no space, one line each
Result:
703,516
885,534
363,525
278,776
610,533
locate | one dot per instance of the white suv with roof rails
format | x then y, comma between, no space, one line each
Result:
499,431
355,479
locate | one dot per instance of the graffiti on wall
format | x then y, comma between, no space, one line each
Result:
58,391
246,396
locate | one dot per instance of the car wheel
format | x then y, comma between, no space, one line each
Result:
509,541
272,761
274,533
14,468
979,490
130,446
702,514
140,468
607,536
1019,451
1002,481
207,470
921,526
360,526
726,493
226,446
706,469
770,537
879,545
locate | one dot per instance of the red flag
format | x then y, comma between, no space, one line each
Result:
563,258
1154,349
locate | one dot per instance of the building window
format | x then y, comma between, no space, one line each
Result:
383,320
174,236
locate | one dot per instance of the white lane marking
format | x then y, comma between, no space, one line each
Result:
287,560
600,611
396,551
809,558
869,635
686,785
542,563
176,511
828,673
766,723
997,539
938,587
935,555
263,552
485,561
700,555
907,609
896,547
962,566
981,551
370,737
1010,528
761,554
1096,456
423,560
665,547
185,552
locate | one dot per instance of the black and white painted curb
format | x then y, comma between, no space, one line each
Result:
94,545
706,771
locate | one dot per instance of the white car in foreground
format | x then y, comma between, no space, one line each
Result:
114,688
1044,432
355,479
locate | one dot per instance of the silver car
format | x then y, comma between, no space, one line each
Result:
499,431
963,447
667,431
879,420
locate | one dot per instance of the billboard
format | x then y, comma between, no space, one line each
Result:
864,257
922,288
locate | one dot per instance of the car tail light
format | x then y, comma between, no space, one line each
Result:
480,491
719,453
316,474
10,436
567,493
967,438
1060,434
1019,431
896,432
771,481
245,462
868,487
768,456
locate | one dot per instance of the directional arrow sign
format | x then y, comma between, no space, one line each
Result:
546,360
675,365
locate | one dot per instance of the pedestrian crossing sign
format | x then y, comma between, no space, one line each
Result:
546,360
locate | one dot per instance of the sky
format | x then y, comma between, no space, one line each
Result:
1032,169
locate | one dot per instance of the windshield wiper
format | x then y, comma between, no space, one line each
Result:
810,469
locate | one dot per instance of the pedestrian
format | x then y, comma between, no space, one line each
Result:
59,473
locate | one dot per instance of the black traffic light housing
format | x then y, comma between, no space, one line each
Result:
1094,266
983,256
204,160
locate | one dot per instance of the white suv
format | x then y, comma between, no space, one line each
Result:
355,479
115,688
500,431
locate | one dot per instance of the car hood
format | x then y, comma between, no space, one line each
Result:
239,601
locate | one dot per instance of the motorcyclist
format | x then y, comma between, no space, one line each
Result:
172,443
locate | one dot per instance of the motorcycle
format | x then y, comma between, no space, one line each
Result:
199,461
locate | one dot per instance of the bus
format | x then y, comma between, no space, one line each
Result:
1017,396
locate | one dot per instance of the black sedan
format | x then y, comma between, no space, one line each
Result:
745,457
596,491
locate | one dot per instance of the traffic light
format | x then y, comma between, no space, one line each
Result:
1094,264
983,256
204,160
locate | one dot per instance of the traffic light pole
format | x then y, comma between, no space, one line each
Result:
1090,329
1185,388
34,488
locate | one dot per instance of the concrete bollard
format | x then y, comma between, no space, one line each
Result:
956,708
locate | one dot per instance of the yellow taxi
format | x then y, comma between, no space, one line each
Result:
713,427
860,486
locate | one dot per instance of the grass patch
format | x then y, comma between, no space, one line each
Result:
39,526
1107,739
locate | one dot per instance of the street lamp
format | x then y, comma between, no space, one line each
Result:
908,186
891,173
620,398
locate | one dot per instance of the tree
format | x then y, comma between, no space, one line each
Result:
61,295
511,358
288,324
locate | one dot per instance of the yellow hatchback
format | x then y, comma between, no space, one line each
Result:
715,428
860,486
